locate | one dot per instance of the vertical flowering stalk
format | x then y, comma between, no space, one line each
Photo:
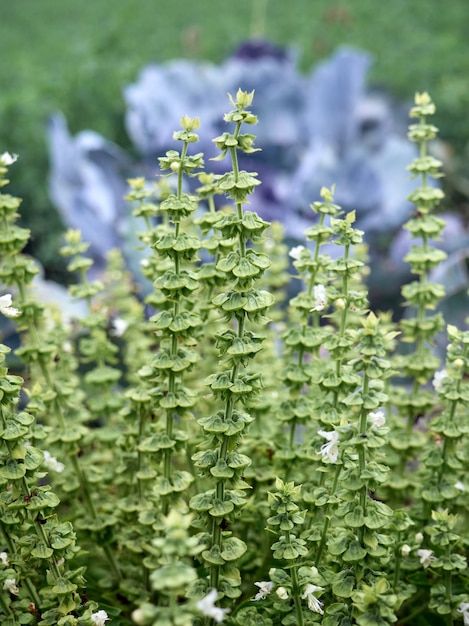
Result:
304,338
240,303
38,544
176,322
422,295
289,547
335,378
441,478
48,399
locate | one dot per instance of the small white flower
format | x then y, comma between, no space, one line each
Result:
9,584
8,159
51,462
405,550
426,557
4,558
460,486
6,308
313,603
377,418
282,593
464,609
320,297
330,450
438,379
419,537
208,608
295,252
99,618
264,589
119,326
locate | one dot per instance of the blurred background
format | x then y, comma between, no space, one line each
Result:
78,58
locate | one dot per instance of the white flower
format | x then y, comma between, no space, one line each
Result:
405,550
295,252
464,609
282,593
208,608
8,159
119,326
51,462
377,418
419,537
6,308
320,296
330,450
99,618
4,558
313,603
264,589
9,584
438,379
460,486
426,557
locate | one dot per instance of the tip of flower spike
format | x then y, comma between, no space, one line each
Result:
243,99
327,194
423,105
190,123
421,99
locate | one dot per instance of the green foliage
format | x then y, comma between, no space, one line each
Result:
233,457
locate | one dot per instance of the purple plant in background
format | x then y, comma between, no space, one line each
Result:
87,184
315,130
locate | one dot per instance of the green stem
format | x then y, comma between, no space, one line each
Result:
362,456
142,419
397,561
296,592
325,528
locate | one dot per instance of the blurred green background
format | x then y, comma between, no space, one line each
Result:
77,57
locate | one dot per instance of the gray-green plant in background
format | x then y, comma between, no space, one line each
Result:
217,453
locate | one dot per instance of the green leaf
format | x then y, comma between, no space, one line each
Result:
221,508
221,470
41,551
12,470
378,514
232,549
213,556
63,586
344,584
354,553
173,576
355,519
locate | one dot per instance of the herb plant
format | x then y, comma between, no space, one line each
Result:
243,445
